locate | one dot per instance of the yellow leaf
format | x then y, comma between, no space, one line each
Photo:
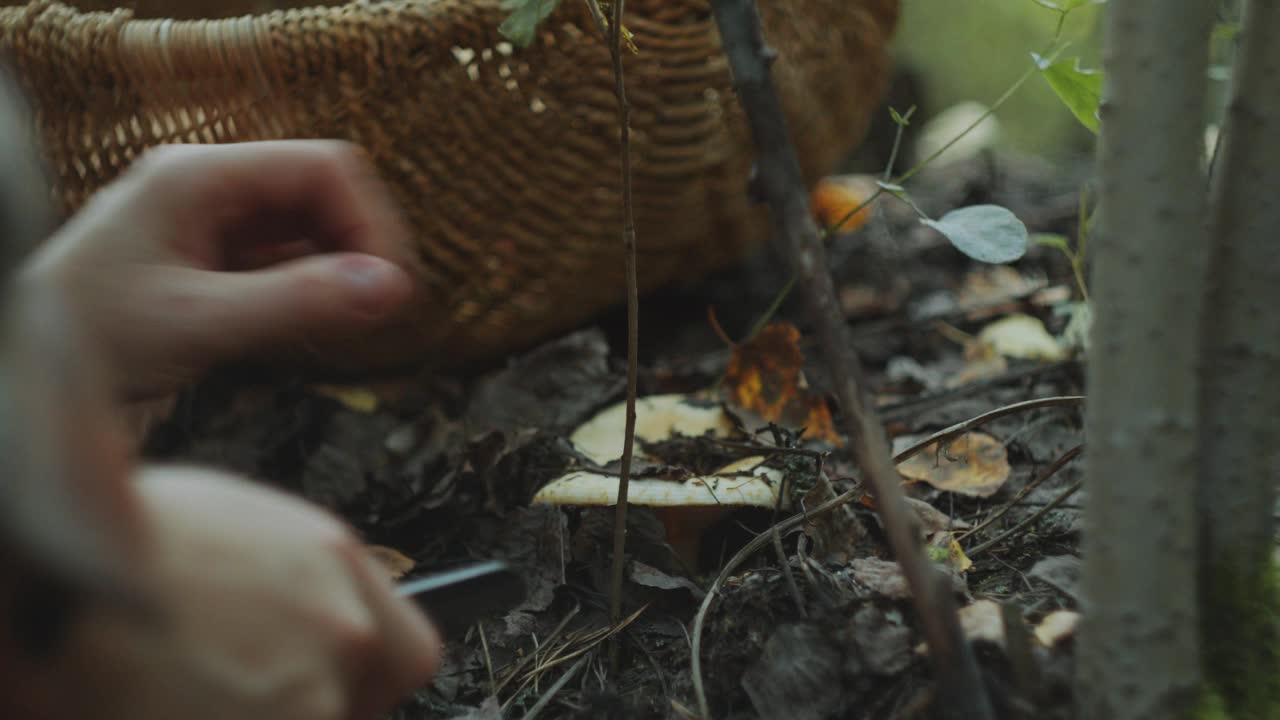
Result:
1021,336
361,400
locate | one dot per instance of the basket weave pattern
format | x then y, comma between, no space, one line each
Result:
505,159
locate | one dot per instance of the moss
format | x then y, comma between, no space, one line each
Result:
1240,634
1210,706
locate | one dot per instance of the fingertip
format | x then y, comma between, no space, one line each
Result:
376,286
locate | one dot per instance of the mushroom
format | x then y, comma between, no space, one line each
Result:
686,509
658,417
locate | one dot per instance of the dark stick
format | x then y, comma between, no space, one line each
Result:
779,181
633,326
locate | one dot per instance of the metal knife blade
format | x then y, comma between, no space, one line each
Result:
456,599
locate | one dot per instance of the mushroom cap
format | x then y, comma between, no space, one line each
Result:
759,488
658,417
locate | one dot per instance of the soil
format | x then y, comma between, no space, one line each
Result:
814,624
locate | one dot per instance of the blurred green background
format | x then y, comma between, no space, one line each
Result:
963,50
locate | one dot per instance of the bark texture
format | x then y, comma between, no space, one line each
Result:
1138,649
1240,384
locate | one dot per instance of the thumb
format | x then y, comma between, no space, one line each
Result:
294,303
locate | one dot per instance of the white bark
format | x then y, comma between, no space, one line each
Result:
1138,650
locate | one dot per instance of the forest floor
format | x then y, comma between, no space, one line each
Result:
816,622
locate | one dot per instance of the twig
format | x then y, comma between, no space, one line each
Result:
488,659
806,516
984,418
740,557
555,688
1057,465
1026,674
916,405
961,692
1019,527
633,326
786,572
524,661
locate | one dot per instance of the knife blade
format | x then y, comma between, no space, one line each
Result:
456,599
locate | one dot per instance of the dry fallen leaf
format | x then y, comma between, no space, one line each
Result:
1019,335
932,520
836,196
765,378
1056,627
992,285
973,464
981,622
395,562
358,399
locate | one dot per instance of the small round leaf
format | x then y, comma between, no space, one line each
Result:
986,233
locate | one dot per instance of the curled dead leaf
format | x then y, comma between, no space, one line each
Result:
765,379
973,464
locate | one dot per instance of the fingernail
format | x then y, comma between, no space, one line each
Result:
367,273
376,283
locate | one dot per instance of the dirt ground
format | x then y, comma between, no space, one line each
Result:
816,622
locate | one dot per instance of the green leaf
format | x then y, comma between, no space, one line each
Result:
1079,89
986,233
521,25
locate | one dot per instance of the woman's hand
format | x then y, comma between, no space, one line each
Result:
268,608
203,253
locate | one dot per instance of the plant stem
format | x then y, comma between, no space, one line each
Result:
633,327
961,691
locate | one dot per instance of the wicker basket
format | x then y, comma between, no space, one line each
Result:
504,158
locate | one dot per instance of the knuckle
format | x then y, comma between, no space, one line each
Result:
157,162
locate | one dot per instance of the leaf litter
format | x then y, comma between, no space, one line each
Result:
442,468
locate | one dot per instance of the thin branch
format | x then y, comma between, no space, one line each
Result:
796,520
633,324
1061,498
961,692
545,700
1057,465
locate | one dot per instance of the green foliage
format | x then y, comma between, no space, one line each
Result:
1240,635
1079,89
987,233
522,24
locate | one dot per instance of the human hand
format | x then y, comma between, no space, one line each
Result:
199,254
271,609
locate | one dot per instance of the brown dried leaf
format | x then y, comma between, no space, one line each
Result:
974,464
395,562
765,378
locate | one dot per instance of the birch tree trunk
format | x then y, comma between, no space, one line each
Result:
1138,649
1240,385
